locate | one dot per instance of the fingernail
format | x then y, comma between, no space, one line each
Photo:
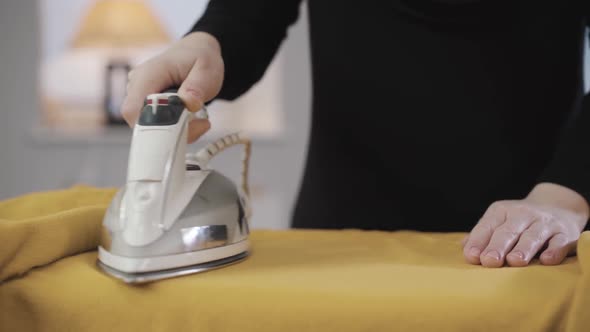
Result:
548,255
474,252
493,254
517,254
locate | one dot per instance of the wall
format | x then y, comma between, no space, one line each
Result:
19,57
61,16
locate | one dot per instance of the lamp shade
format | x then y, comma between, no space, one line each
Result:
120,24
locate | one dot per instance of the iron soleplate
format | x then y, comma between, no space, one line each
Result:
145,277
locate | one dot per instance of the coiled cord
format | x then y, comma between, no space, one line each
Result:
203,156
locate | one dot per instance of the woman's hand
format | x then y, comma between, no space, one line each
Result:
194,63
548,222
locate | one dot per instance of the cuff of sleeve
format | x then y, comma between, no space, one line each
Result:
239,63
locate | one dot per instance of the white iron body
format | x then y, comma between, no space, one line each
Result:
174,216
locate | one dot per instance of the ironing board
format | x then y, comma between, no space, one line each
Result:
294,280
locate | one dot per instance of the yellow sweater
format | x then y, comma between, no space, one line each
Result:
295,280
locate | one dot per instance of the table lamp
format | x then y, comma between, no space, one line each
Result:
118,26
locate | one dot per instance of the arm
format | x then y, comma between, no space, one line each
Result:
570,167
224,54
547,222
250,34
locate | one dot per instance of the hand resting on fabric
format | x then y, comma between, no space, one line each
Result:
548,223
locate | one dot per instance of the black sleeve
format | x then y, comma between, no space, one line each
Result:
571,163
250,34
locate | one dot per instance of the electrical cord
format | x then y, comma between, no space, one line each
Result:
203,156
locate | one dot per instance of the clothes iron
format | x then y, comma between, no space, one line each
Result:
174,216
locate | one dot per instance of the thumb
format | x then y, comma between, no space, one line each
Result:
201,85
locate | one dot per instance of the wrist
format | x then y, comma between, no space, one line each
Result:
561,197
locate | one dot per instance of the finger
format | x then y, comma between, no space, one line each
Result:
482,232
202,83
558,248
464,240
529,244
151,77
197,128
503,239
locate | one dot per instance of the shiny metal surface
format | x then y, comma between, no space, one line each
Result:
139,278
215,215
204,237
198,216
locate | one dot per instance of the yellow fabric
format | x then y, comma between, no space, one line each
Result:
295,280
39,228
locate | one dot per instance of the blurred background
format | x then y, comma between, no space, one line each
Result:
63,67
63,71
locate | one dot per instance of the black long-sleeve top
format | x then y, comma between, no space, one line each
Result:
452,104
